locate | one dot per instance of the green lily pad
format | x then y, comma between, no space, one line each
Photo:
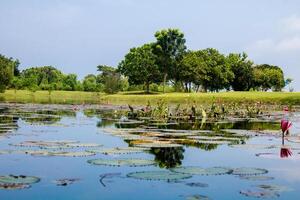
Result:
274,188
197,197
259,193
248,171
14,186
158,175
119,150
83,145
202,171
72,154
257,178
21,179
197,184
122,162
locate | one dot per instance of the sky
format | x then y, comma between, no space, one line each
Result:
75,36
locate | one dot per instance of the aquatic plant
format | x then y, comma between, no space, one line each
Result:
259,193
256,178
121,162
14,186
158,175
197,197
107,175
119,150
18,179
247,171
285,152
202,171
66,181
197,184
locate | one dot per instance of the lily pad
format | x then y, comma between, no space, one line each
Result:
66,181
257,178
122,162
254,146
158,175
197,184
197,197
274,188
154,144
202,171
119,150
72,154
14,186
21,179
248,171
259,193
83,145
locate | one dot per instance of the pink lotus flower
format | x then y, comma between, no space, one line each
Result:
285,125
285,152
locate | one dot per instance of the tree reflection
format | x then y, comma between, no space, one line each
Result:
168,157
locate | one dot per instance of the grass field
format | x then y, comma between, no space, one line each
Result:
136,98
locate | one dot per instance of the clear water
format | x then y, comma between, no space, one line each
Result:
286,171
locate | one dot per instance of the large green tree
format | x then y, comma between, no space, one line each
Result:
243,71
169,47
140,66
7,71
110,78
193,70
268,77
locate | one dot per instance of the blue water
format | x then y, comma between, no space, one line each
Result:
286,172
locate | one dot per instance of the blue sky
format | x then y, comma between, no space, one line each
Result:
77,35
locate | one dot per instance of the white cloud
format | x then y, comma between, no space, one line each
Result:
277,46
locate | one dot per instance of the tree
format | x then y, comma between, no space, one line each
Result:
193,70
110,78
140,66
242,70
70,82
7,68
169,47
213,71
268,77
90,83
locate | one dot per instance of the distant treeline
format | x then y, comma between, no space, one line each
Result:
163,65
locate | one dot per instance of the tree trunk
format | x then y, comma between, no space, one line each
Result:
165,80
147,87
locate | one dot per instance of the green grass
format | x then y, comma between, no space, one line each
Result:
139,98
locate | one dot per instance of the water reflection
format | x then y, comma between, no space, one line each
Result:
168,157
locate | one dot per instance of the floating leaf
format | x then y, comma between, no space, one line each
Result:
14,186
202,171
254,146
72,154
158,175
122,162
154,144
119,150
247,171
21,179
259,193
197,197
66,181
257,178
83,145
202,185
274,188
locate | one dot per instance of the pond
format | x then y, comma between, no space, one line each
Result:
95,152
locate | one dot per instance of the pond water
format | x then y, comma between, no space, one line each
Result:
77,154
